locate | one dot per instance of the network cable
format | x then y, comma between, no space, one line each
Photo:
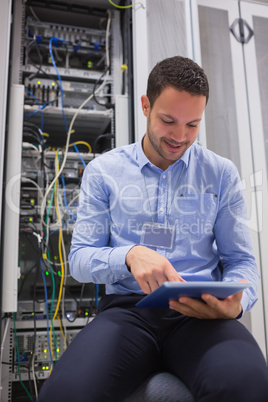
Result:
46,257
60,251
124,7
39,108
75,116
57,40
66,148
65,199
80,156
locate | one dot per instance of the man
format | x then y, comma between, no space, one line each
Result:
163,209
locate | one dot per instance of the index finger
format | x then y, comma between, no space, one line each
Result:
173,276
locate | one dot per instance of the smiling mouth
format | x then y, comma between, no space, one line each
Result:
173,147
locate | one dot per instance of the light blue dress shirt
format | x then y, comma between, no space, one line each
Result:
199,196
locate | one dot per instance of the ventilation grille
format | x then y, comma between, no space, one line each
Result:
166,30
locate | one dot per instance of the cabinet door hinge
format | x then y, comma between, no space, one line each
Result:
241,30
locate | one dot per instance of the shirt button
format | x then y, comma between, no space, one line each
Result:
164,176
161,209
123,276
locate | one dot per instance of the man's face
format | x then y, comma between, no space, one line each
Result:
172,125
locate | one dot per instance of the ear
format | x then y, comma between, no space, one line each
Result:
145,104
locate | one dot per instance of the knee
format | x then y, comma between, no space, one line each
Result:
233,377
232,386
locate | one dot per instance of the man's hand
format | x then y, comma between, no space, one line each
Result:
210,307
150,269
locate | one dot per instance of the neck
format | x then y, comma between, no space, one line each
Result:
153,156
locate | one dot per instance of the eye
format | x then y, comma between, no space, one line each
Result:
167,121
192,125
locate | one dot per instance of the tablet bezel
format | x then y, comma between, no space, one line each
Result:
173,290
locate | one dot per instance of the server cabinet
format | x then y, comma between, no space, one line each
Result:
68,103
231,39
235,119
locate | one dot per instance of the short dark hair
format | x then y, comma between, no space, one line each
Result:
180,73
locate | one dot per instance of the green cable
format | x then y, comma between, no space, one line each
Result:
18,357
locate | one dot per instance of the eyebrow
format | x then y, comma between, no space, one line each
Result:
176,120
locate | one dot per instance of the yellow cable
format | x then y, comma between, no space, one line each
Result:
115,5
84,143
61,329
60,255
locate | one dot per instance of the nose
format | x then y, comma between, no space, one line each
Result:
179,133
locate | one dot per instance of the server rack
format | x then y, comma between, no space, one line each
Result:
68,103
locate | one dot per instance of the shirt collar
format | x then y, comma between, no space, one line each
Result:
143,160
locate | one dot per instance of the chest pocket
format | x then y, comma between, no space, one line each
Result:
196,213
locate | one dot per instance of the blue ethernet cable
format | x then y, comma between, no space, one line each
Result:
37,111
80,156
65,199
56,41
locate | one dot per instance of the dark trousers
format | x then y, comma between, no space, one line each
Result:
218,360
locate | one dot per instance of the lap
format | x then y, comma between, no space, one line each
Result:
123,345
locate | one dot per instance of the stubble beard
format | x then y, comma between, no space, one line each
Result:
159,150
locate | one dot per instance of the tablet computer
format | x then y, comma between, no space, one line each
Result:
174,290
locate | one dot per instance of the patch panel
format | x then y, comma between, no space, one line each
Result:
74,93
78,48
18,354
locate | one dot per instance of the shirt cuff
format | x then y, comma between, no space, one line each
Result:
117,262
244,303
